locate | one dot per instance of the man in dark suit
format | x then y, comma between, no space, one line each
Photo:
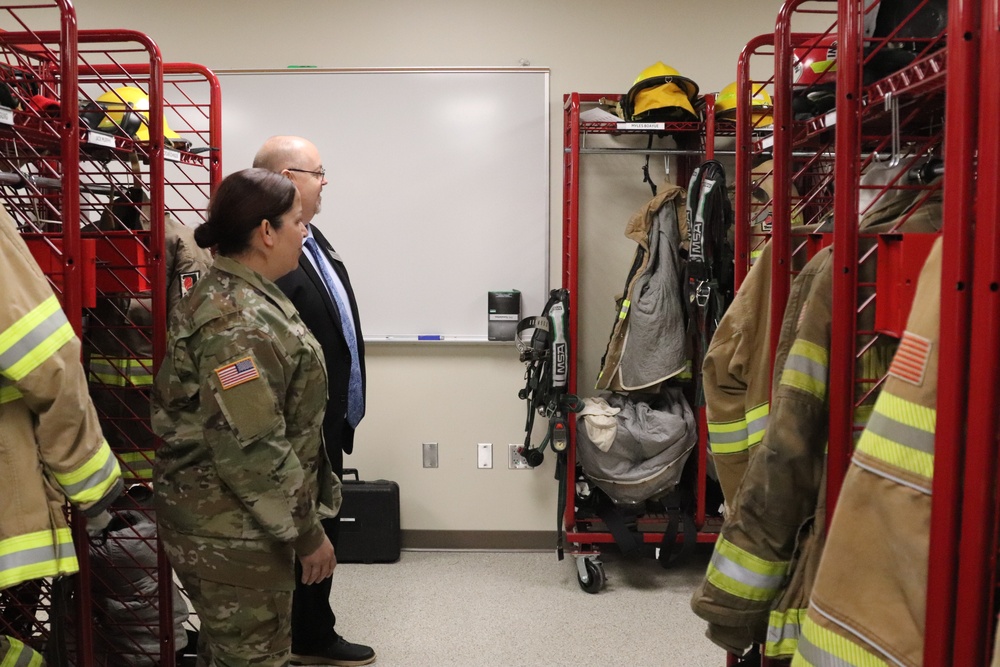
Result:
321,290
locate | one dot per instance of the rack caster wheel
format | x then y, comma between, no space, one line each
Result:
590,574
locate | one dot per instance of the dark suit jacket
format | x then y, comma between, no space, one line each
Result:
304,286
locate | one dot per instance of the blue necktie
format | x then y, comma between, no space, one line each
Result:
355,399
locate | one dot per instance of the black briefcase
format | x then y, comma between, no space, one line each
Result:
369,521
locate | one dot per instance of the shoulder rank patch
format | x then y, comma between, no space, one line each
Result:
188,281
237,372
910,362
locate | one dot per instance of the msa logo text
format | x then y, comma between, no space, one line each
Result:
561,361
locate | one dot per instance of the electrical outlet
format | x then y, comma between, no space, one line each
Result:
430,455
514,460
485,454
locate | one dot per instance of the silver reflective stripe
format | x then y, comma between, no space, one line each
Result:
817,657
741,574
926,489
787,631
99,477
806,366
900,433
725,437
32,339
35,555
757,425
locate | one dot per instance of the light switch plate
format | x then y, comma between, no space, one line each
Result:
430,455
485,455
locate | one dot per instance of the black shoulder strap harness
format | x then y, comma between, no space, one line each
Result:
709,265
545,389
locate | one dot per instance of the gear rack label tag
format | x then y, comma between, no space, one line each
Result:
642,126
100,139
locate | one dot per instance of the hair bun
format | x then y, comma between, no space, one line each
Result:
206,235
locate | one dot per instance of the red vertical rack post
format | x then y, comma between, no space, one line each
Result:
977,577
745,140
787,134
844,330
782,152
962,94
570,271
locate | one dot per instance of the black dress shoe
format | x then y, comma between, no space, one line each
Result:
338,652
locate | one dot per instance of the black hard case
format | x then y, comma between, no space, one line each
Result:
369,521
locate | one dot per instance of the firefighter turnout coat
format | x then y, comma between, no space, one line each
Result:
758,582
874,615
647,343
736,373
51,443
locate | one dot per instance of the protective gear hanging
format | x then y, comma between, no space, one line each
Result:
709,268
50,439
546,352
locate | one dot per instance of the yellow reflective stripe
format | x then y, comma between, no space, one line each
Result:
33,338
901,433
624,311
137,465
741,434
806,368
92,480
35,555
728,437
783,630
740,573
757,423
819,647
19,655
121,371
8,392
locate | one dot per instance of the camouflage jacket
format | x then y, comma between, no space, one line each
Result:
239,403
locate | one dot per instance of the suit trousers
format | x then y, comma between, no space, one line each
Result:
313,619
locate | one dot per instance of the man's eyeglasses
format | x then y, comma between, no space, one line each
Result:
321,173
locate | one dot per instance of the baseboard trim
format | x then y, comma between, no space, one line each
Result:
494,540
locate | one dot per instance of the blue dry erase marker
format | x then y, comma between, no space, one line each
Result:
430,337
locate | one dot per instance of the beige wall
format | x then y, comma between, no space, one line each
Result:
460,395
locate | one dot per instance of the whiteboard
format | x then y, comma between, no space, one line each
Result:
438,183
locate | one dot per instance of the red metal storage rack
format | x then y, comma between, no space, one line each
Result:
61,176
848,139
960,621
39,161
695,140
905,107
175,178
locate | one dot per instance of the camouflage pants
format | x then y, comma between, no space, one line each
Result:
240,627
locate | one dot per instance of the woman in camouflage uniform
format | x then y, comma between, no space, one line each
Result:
241,478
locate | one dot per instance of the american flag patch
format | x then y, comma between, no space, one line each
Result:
910,362
237,372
